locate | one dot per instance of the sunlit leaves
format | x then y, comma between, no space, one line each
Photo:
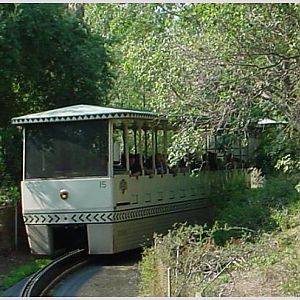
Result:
232,64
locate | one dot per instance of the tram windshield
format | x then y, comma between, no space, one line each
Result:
66,150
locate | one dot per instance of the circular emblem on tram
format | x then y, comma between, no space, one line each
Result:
64,194
123,186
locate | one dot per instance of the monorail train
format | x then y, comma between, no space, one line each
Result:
96,177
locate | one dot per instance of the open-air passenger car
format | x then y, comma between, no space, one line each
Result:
98,178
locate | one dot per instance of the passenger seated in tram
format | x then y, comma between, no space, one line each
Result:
210,161
160,162
233,162
173,170
148,168
134,165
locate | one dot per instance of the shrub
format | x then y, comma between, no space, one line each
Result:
256,209
198,257
9,195
194,258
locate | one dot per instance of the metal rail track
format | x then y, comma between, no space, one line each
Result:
40,282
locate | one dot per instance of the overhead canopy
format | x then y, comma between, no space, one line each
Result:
83,113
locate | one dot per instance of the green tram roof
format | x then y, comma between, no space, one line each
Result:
84,113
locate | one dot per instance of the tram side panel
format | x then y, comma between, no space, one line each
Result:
45,211
145,205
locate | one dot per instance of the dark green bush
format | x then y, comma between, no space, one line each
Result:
253,208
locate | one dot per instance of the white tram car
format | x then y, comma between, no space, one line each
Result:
79,190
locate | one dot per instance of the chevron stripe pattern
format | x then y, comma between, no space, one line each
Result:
111,216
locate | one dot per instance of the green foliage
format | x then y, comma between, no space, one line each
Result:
261,209
278,150
9,195
152,274
10,155
203,259
291,286
136,36
21,272
229,64
10,165
54,60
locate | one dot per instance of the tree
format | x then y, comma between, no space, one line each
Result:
135,36
53,60
49,58
245,61
226,64
258,46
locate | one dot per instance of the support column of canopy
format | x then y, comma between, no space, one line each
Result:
110,160
135,140
140,147
153,149
165,149
126,149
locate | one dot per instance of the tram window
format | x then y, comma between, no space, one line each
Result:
71,149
